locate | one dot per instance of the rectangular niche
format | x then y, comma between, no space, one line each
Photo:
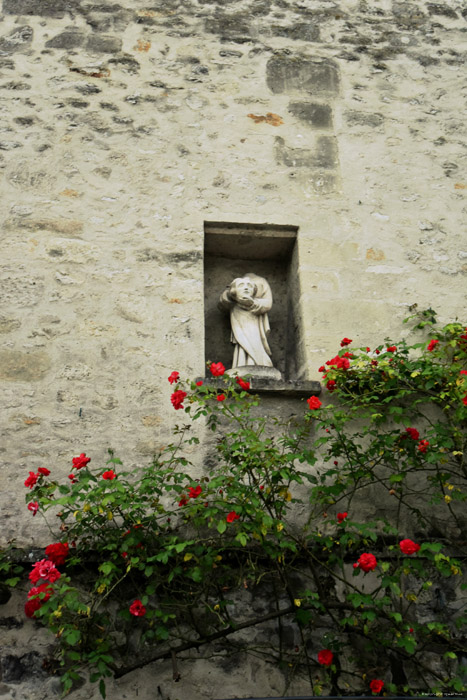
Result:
232,250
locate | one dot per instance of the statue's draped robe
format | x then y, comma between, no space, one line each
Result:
250,326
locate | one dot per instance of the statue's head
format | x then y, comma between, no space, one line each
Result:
243,288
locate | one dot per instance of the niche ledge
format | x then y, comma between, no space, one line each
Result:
272,387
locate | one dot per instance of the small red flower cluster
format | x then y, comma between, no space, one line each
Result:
33,507
217,369
412,433
194,492
423,446
464,400
36,597
178,398
81,461
325,657
220,397
432,344
408,547
109,475
376,686
174,377
340,362
391,348
341,517
367,562
331,385
242,383
232,516
44,569
314,403
345,341
137,609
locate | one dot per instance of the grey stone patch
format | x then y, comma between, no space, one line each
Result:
193,257
17,40
286,73
21,291
66,40
9,145
15,85
318,115
229,28
354,118
7,64
127,63
67,227
43,8
230,54
7,325
303,31
24,121
324,156
17,366
87,89
409,15
435,8
104,44
78,104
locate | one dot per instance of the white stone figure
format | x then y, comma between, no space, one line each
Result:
249,299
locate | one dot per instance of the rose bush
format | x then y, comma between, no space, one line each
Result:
159,551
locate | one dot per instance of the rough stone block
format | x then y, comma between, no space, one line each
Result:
17,366
66,40
43,8
324,156
104,44
317,76
17,40
314,114
304,31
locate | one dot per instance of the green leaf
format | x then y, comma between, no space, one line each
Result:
72,636
102,687
221,526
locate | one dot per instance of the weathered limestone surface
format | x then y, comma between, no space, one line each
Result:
126,125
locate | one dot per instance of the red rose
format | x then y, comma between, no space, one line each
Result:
72,478
43,588
391,348
81,461
374,363
44,471
377,352
44,569
463,371
232,516
177,399
464,401
368,350
109,475
174,377
183,501
31,480
322,368
217,369
33,507
432,344
408,547
220,397
367,562
325,657
31,606
314,403
376,686
412,433
423,445
194,492
341,517
345,341
331,385
241,383
57,553
137,609
199,383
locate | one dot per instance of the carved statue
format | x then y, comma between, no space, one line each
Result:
249,299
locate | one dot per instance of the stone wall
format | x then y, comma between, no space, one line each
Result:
128,125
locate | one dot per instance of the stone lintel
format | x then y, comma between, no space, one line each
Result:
272,387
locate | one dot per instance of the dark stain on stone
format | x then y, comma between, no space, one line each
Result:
189,257
66,40
304,31
408,15
230,54
301,73
317,115
355,118
104,44
55,252
109,106
435,8
324,156
88,89
24,121
16,40
102,73
14,85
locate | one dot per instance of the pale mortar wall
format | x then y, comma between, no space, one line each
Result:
126,126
